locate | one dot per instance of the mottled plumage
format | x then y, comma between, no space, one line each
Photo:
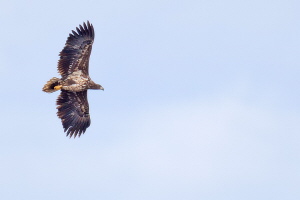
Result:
72,103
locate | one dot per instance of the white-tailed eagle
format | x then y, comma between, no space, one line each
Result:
73,65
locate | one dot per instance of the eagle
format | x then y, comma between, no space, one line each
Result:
73,66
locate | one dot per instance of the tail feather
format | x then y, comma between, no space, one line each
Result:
49,86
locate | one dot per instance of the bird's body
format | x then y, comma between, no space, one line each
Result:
77,82
73,108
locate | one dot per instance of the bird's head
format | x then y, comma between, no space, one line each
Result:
95,86
98,87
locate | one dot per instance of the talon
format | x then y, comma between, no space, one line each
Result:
58,87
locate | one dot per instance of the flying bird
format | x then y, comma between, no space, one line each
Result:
73,66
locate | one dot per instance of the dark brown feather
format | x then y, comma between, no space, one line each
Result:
76,53
73,110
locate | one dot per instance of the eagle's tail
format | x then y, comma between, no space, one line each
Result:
49,86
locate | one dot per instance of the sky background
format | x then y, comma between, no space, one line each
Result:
201,101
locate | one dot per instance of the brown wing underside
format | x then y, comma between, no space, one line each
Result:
76,53
73,110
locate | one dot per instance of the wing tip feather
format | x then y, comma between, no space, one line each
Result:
86,29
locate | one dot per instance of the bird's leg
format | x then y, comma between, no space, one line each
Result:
58,87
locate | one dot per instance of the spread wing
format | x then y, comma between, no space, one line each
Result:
76,53
73,109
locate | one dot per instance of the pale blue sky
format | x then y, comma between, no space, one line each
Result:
201,101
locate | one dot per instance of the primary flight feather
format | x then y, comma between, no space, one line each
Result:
73,65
